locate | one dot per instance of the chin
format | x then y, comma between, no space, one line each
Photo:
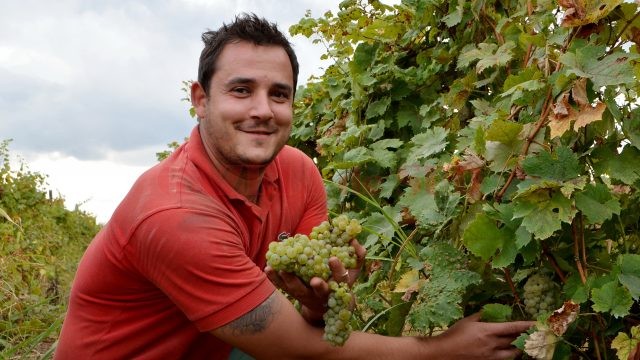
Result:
257,160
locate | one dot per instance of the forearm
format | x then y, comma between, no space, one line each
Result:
275,330
373,347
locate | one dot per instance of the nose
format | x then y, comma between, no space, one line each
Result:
261,107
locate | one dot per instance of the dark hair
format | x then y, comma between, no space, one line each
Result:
246,27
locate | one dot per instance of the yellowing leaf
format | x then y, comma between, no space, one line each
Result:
541,344
582,12
409,281
625,345
559,127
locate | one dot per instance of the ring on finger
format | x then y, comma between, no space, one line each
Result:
345,275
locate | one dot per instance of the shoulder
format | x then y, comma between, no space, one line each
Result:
294,160
291,153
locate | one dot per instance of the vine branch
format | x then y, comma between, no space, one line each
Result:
507,276
554,263
576,232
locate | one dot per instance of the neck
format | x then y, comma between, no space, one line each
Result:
246,180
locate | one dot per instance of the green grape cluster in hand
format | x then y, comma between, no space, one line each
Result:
308,257
337,319
539,295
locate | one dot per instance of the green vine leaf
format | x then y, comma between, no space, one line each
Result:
612,298
613,69
543,211
438,303
483,238
488,55
455,16
506,132
623,166
377,108
422,205
631,128
597,203
630,273
560,165
496,313
428,143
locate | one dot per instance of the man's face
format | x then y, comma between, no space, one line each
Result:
246,119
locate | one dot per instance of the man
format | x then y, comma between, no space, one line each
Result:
177,271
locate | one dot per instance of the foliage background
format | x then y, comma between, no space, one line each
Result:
40,245
481,142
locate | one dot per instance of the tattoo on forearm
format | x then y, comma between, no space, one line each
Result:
257,319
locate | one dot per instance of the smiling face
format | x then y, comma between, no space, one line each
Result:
245,119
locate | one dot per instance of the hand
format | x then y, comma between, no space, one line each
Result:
313,297
471,339
635,353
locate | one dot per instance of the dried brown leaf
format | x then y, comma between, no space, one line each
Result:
561,116
588,115
579,92
561,318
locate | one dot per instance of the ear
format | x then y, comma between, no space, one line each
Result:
199,100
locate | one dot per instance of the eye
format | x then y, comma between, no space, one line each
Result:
240,90
281,95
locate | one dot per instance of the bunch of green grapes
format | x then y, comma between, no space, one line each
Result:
337,319
308,257
539,295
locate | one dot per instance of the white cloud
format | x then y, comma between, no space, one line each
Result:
91,89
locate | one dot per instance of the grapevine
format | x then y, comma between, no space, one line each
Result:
308,257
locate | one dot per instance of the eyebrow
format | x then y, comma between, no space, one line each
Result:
247,81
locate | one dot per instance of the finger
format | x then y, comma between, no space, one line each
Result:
361,252
320,287
290,279
473,317
338,271
512,328
294,286
273,276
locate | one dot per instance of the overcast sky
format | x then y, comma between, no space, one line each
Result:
91,90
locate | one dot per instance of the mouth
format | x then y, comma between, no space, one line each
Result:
257,133
256,130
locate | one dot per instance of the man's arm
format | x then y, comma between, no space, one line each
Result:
275,330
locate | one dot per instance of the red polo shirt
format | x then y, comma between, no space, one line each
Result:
182,255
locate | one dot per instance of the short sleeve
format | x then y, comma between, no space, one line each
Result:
198,259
